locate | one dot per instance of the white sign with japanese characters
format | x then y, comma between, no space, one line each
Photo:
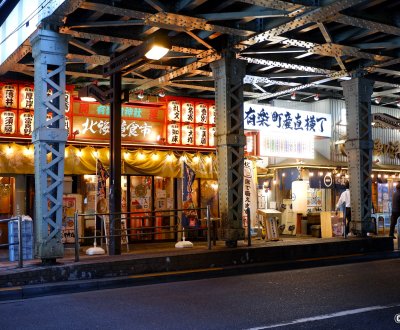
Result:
269,118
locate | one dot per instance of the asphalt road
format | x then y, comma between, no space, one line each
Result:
352,296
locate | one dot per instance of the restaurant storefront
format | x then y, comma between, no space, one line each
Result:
158,136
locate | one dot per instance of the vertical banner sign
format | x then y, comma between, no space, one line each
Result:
249,191
189,217
102,176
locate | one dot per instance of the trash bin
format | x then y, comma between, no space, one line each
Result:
27,239
316,231
304,227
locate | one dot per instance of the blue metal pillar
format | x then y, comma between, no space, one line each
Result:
359,144
228,74
49,137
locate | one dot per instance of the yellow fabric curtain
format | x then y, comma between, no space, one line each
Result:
19,159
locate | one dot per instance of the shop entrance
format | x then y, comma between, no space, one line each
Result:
7,195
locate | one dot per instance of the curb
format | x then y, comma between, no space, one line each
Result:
38,290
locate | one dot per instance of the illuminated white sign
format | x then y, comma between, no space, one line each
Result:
268,118
286,145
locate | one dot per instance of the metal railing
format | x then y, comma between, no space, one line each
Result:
141,231
20,244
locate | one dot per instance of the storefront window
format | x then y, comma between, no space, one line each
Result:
141,205
209,196
6,202
164,200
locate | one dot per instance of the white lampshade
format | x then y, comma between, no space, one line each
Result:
156,52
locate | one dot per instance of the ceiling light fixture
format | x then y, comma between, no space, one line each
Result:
378,100
161,93
88,99
157,46
316,97
398,103
156,52
293,96
140,95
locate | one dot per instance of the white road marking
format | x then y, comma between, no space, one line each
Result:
326,316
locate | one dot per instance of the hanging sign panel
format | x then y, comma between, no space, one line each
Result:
92,128
268,118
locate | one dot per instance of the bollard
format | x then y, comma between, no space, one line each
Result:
21,256
208,228
248,227
76,231
398,232
344,220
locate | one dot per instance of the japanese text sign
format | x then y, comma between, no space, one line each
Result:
268,118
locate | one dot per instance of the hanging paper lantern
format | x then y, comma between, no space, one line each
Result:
188,112
201,113
211,136
27,98
211,114
7,122
174,134
9,96
201,136
188,134
174,111
26,123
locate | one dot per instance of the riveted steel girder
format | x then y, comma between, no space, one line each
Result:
275,4
287,65
316,15
359,146
166,20
229,73
364,24
49,137
204,58
15,57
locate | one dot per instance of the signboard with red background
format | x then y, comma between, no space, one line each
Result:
178,121
190,122
17,107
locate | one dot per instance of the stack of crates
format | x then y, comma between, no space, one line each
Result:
27,239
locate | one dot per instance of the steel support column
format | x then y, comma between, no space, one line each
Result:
229,73
49,137
359,146
115,165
